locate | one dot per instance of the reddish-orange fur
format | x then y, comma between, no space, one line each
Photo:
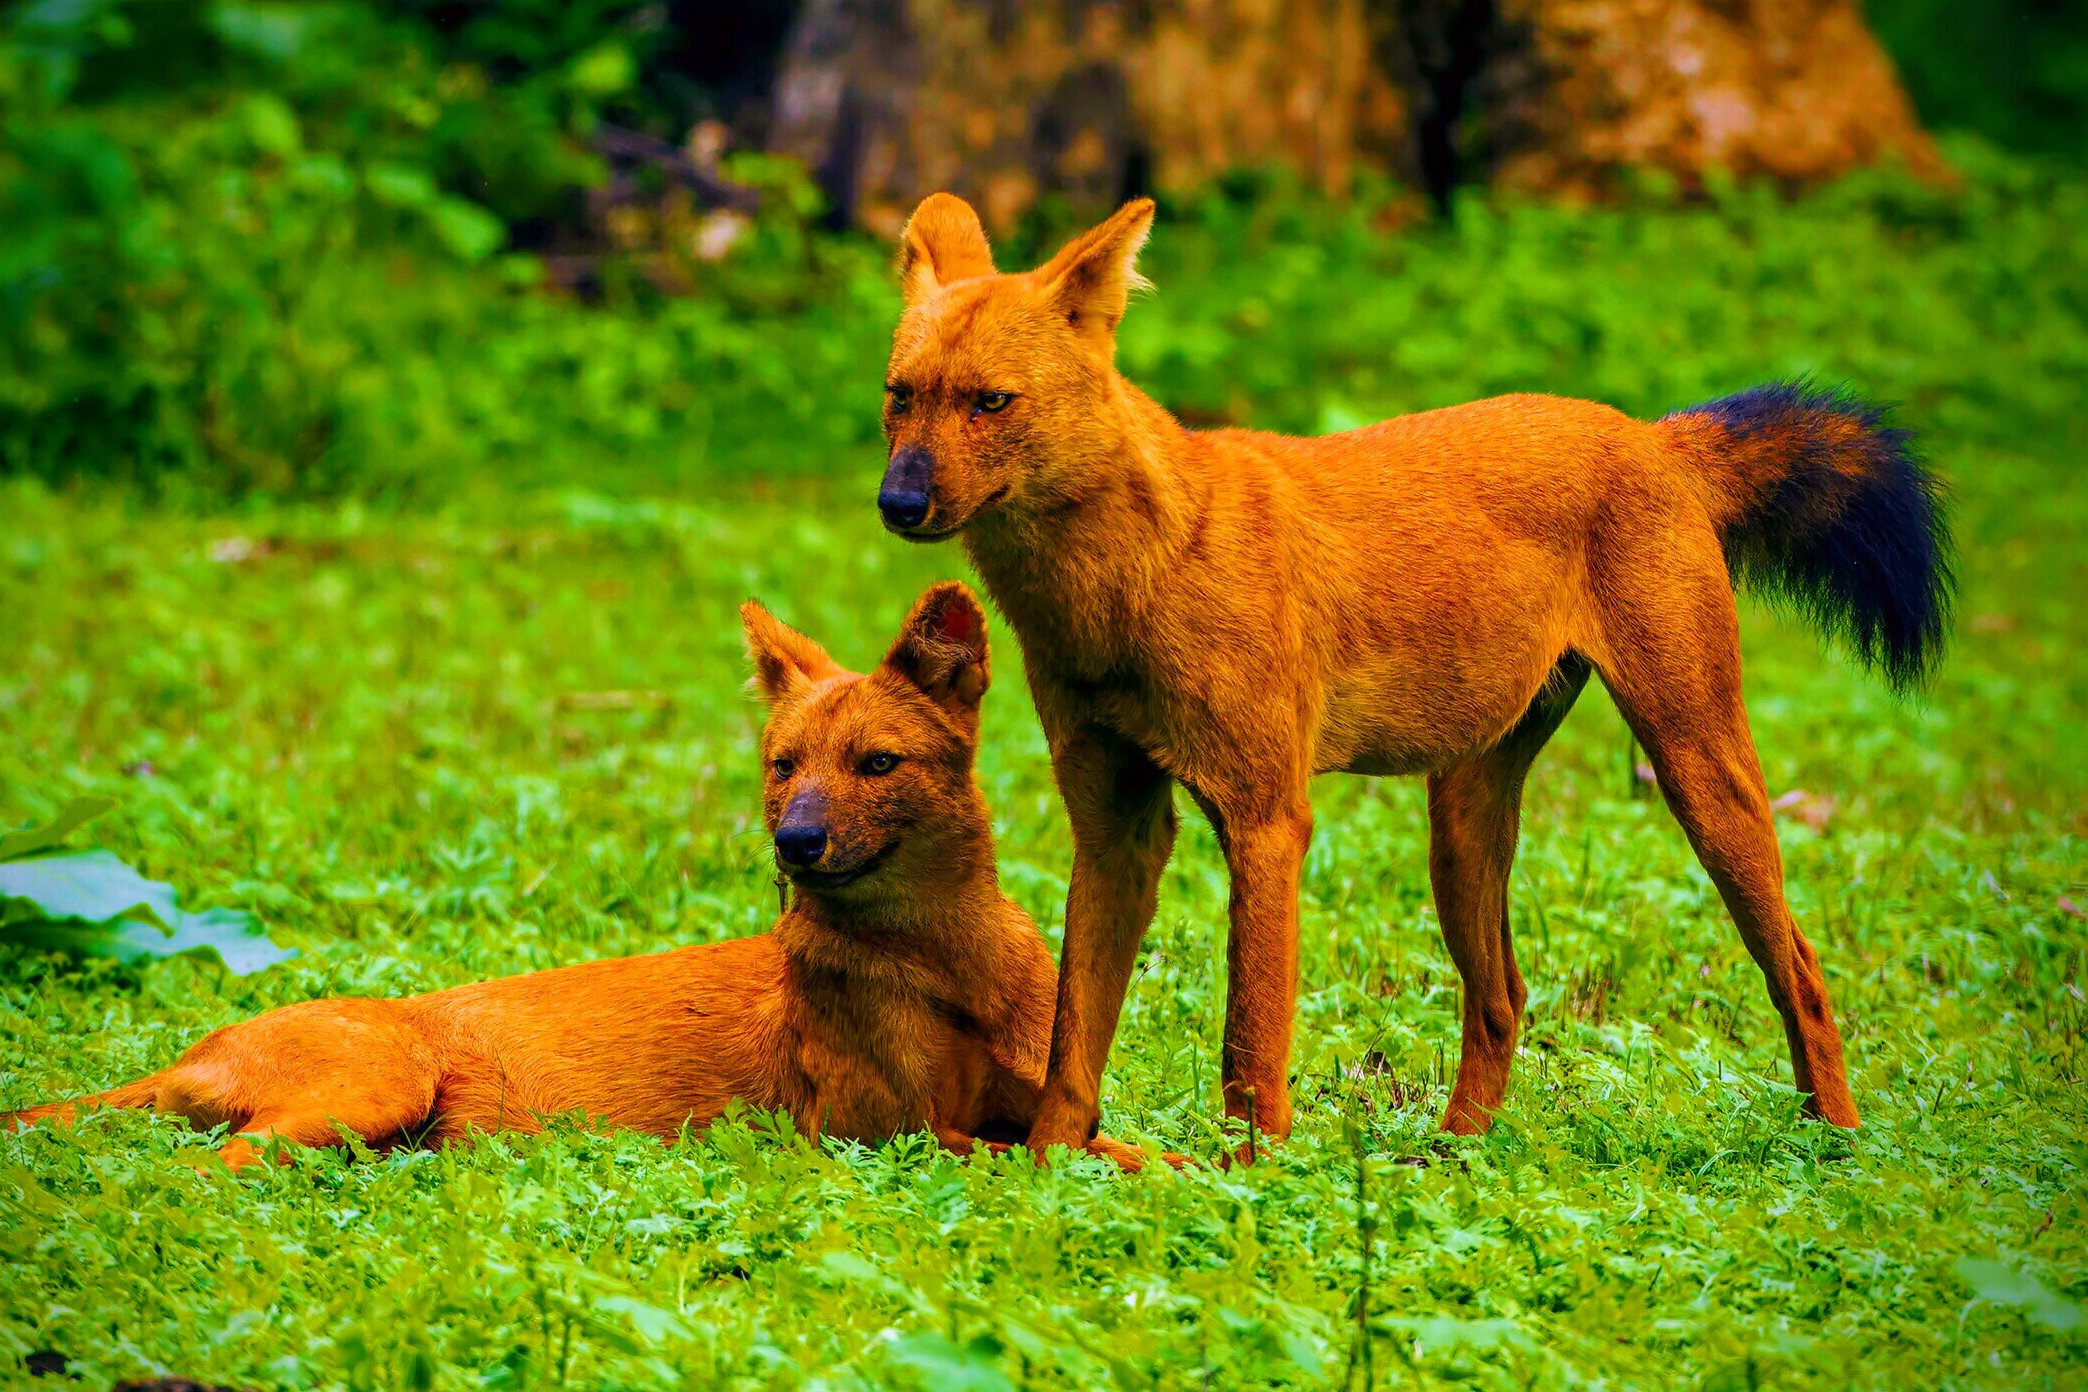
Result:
1237,611
916,996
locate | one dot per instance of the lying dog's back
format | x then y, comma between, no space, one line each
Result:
650,1043
657,1043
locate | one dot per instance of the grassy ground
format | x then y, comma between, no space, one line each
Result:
364,726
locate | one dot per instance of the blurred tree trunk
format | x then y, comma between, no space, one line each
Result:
1095,100
1792,90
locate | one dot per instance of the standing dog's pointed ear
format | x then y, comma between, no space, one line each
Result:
942,651
785,660
1091,279
943,242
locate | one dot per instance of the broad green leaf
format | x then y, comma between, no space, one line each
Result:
226,934
465,228
91,885
603,70
399,185
652,1323
92,904
323,174
74,815
271,125
2004,1285
972,1366
276,32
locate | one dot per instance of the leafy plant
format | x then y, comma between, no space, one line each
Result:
90,904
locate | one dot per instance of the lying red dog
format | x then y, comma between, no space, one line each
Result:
1236,611
901,991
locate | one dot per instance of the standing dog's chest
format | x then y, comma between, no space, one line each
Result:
1183,728
1128,701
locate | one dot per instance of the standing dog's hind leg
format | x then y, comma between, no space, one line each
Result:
1474,811
1680,691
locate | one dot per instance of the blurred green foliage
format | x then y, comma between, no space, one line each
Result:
2015,72
268,248
293,362
241,255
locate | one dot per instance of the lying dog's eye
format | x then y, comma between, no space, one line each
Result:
901,397
990,402
880,763
784,767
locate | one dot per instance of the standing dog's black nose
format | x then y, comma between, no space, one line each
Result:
902,509
903,500
800,844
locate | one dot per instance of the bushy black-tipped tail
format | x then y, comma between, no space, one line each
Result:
1824,505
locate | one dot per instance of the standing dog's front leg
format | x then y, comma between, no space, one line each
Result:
1265,853
1122,809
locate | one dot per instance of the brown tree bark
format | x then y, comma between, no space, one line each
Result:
1792,90
1093,100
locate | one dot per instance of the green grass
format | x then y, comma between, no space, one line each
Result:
361,729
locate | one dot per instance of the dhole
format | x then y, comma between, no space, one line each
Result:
900,990
1236,611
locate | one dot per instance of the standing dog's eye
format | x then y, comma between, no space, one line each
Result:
989,402
901,396
880,763
784,767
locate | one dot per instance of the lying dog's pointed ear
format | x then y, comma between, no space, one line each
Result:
1091,279
942,650
786,662
943,242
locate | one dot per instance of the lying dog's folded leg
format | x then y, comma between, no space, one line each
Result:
1130,1158
306,1128
959,1142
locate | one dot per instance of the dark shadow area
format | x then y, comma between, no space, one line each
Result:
2015,73
1465,70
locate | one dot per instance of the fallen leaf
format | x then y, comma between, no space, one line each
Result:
91,904
2004,1285
1813,809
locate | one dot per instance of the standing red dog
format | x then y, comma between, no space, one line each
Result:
1236,611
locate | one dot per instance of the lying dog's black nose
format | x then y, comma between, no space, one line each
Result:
903,500
800,844
902,509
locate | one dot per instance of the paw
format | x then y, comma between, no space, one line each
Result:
1069,1132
